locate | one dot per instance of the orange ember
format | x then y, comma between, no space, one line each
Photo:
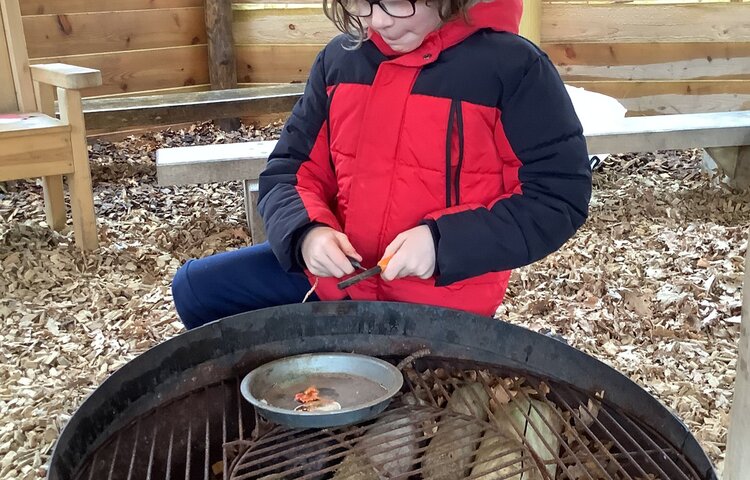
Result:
311,394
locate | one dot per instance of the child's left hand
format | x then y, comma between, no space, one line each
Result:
412,255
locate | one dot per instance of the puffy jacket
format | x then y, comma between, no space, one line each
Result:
472,134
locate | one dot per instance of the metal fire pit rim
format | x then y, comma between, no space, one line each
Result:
497,343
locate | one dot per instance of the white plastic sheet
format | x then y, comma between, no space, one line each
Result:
595,109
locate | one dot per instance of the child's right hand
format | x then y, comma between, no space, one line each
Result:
325,250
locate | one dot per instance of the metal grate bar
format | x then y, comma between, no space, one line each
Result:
238,396
169,454
600,425
135,448
114,457
224,456
679,457
606,431
662,452
207,457
187,449
613,457
93,464
151,454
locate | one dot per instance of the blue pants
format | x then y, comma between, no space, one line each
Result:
234,282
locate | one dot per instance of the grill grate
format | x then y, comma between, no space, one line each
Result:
442,426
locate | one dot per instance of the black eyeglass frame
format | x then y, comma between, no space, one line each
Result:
383,7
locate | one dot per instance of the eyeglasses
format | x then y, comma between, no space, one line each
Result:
394,8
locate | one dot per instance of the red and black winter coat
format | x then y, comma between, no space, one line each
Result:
472,134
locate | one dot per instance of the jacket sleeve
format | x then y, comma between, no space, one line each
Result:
551,201
298,185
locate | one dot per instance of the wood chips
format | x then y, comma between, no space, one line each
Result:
651,284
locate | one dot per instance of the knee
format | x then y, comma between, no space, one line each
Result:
187,305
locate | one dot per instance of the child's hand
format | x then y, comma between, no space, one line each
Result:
324,251
412,254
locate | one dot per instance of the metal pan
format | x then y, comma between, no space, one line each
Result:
362,385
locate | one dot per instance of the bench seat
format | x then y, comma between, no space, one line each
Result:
725,135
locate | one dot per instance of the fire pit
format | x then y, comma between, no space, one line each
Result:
489,401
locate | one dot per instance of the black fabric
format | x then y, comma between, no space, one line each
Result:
545,134
279,202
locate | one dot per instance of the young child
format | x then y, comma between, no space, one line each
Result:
430,134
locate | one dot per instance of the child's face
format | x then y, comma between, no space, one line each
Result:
404,34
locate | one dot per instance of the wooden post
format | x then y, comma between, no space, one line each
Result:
531,21
737,460
54,196
222,66
79,183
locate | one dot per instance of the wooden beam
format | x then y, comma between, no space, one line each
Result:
222,66
737,461
52,186
8,102
111,114
19,61
79,182
66,76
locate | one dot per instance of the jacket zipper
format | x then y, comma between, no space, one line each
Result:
448,145
453,182
328,124
460,124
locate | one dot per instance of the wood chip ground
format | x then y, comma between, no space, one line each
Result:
651,285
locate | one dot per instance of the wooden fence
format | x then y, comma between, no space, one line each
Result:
655,58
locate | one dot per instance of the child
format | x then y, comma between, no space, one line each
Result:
432,135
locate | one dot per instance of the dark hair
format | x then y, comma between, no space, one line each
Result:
354,27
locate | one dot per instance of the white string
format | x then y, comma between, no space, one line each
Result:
310,292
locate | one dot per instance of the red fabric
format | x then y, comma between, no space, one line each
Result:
390,171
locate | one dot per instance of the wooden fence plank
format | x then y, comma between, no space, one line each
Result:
658,61
654,98
82,33
41,7
698,22
143,69
275,63
282,26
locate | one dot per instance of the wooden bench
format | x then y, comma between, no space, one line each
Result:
724,135
35,143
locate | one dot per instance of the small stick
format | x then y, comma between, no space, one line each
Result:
310,292
414,356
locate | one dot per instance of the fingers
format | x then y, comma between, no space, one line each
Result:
346,246
337,263
412,254
325,251
396,263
